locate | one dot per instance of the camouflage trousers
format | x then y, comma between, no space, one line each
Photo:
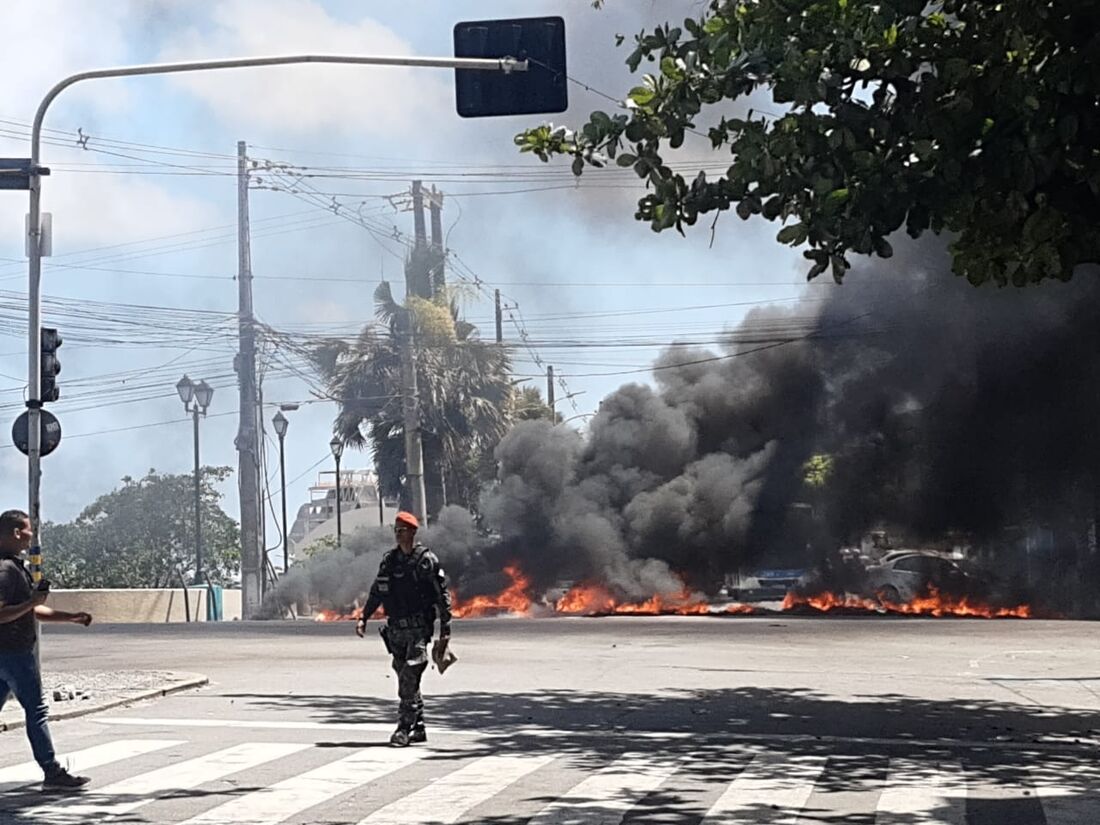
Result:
409,649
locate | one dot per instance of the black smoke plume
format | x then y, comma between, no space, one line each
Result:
951,413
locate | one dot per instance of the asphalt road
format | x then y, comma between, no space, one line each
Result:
661,720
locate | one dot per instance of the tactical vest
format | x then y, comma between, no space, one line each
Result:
404,586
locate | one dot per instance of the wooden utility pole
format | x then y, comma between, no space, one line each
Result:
550,389
247,455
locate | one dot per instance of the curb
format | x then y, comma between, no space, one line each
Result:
152,693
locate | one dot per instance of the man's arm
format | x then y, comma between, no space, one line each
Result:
48,614
374,601
442,594
9,613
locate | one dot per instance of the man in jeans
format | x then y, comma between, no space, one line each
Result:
20,606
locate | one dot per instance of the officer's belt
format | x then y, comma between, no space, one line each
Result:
407,622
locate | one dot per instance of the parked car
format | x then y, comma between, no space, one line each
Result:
902,576
763,585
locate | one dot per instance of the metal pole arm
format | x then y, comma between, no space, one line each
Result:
504,64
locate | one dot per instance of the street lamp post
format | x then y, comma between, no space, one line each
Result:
196,397
337,447
281,424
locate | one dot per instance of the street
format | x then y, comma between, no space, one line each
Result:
670,720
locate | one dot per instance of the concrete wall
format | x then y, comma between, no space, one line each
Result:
157,606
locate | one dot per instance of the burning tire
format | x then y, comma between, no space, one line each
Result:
889,595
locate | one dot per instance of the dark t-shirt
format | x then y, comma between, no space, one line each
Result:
15,588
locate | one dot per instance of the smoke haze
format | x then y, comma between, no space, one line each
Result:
944,410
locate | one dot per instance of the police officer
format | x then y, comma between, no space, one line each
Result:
412,588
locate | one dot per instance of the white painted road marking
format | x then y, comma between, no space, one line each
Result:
89,758
932,793
775,784
129,794
315,787
449,797
605,797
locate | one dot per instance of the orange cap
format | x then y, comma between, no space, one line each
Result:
409,519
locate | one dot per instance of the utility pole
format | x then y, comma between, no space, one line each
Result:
436,271
550,389
418,268
414,453
499,317
421,234
247,457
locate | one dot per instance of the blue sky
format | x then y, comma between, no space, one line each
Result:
573,259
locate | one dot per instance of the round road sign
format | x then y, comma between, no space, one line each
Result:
51,432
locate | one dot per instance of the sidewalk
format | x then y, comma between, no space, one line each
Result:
80,692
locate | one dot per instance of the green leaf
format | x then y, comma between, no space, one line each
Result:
642,95
578,165
626,159
839,268
795,234
670,69
715,25
836,199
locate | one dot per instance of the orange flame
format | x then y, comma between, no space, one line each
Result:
592,599
513,599
934,604
334,616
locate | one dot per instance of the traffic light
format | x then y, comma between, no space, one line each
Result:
50,366
542,89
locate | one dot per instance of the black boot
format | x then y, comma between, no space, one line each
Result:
418,734
61,779
400,738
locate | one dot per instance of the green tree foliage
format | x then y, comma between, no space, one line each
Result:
325,544
529,405
974,117
463,388
142,533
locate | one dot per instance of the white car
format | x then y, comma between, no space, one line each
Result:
904,575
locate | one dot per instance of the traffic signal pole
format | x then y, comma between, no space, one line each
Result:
34,218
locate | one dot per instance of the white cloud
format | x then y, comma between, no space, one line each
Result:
47,40
93,210
306,99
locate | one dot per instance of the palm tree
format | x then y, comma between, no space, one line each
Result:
462,385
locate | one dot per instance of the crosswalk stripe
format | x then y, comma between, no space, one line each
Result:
777,783
605,797
1072,800
130,794
448,798
258,724
292,796
83,760
933,792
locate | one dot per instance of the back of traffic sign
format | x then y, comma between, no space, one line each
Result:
541,89
49,425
